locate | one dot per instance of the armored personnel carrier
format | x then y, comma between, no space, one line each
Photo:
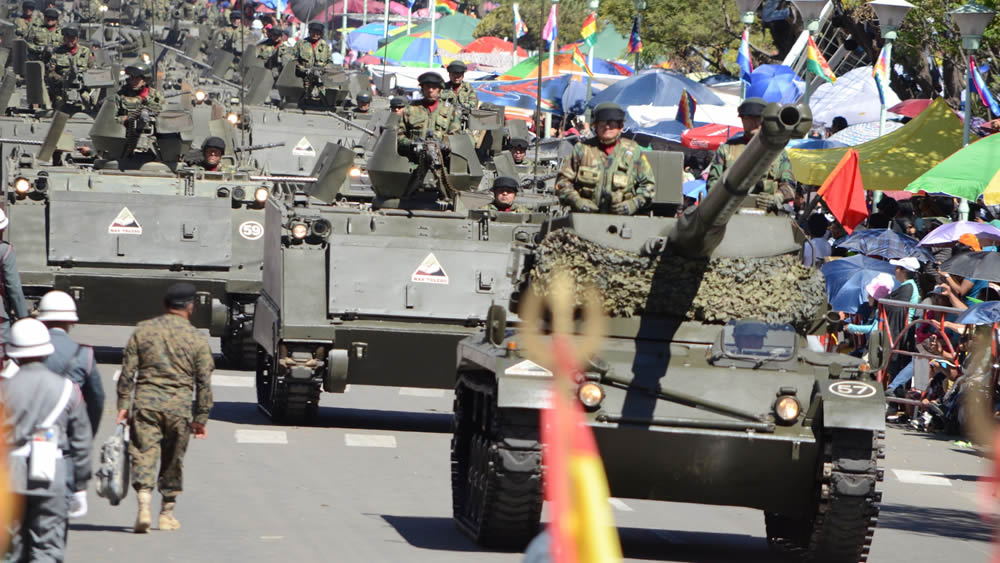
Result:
703,390
116,232
378,296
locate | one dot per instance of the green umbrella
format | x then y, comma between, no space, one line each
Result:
457,27
967,173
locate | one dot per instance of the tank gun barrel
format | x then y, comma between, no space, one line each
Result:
195,62
700,229
346,121
4,141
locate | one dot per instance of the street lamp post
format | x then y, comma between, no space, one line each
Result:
748,10
890,16
971,19
640,5
811,11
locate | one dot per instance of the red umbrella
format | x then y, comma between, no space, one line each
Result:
709,137
491,45
369,60
910,108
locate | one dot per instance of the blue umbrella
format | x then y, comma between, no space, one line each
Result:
846,279
985,313
885,243
815,144
775,83
655,87
667,130
366,38
694,188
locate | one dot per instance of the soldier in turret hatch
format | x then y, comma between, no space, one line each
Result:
68,58
211,155
28,21
429,115
606,174
273,52
364,103
397,105
519,151
136,95
46,37
309,54
504,193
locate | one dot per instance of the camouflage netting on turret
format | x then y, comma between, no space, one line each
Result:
716,290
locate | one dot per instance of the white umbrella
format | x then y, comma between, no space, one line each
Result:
853,96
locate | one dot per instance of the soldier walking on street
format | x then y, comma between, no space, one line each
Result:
606,174
12,303
165,361
44,424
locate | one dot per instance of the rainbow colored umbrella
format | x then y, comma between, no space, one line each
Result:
967,173
415,51
366,38
443,44
563,62
492,45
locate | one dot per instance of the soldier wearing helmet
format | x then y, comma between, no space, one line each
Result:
397,104
28,21
606,173
233,38
519,152
273,52
313,51
211,155
504,193
363,103
34,399
68,61
428,116
137,95
777,188
47,36
457,91
12,303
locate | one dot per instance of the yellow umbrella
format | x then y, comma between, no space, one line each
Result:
891,161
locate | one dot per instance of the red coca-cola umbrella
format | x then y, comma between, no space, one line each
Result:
910,108
709,137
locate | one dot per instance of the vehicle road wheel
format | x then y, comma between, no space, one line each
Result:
496,479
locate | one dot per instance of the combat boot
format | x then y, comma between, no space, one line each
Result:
167,520
144,519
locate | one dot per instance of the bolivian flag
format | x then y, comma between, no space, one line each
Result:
580,61
582,526
816,63
589,31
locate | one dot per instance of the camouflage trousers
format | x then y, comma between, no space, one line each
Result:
156,436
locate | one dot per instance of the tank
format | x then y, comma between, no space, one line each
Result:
708,391
378,295
115,234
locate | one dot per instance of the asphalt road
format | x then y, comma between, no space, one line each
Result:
370,483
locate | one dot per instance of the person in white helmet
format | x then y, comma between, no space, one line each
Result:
48,435
12,303
57,311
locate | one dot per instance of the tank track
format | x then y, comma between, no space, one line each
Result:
283,400
496,467
240,349
846,508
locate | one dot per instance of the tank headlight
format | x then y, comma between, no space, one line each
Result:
200,95
300,230
590,394
239,194
355,172
102,8
233,119
260,195
787,408
22,186
320,228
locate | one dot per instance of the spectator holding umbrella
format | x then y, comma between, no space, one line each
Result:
899,318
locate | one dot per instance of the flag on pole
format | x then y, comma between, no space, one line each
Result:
589,31
881,74
844,194
980,87
551,30
685,109
519,28
634,42
743,57
447,7
816,63
581,61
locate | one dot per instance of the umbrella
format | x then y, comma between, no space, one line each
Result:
522,94
457,27
885,243
808,143
414,51
694,188
846,279
862,132
447,45
948,233
974,265
655,87
910,108
609,44
775,83
365,39
369,60
563,62
709,137
334,12
967,173
492,45
985,313
854,96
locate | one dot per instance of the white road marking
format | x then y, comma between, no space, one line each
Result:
118,373
232,381
921,477
620,505
418,392
272,538
370,440
246,436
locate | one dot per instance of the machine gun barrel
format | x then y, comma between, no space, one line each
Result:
700,229
346,121
553,140
5,140
260,147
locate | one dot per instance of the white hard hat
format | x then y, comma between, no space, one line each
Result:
29,339
57,306
4,221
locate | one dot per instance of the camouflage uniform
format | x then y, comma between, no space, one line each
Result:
778,180
589,180
170,359
229,39
62,62
267,50
44,39
25,28
89,11
417,120
465,95
307,57
130,101
514,208
193,11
